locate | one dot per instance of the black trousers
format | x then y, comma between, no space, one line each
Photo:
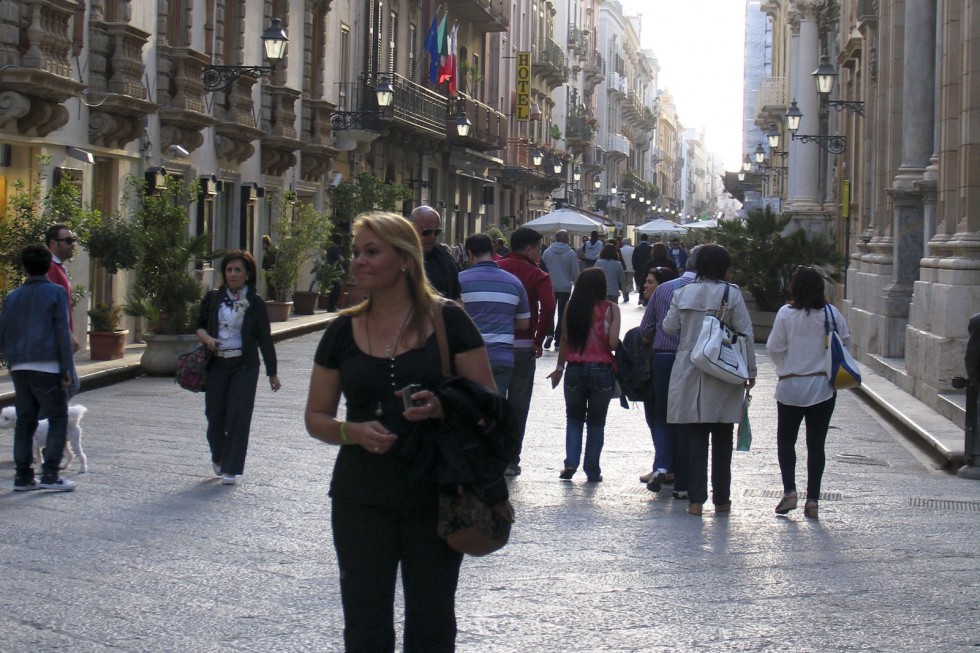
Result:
228,403
788,423
721,436
371,542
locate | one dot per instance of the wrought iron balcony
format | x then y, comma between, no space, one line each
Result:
488,129
484,15
550,62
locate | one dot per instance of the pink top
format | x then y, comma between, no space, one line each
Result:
597,346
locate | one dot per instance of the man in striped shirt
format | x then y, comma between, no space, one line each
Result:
669,443
497,302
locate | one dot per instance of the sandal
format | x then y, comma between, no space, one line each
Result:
787,503
810,510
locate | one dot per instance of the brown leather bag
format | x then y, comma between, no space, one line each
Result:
468,523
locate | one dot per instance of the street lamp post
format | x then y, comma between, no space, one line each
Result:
274,40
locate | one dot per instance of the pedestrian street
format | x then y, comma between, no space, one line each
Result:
152,554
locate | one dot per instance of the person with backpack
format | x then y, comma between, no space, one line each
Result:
589,335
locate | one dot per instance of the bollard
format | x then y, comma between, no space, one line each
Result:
971,432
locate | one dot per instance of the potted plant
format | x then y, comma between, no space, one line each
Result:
325,275
107,339
166,293
764,254
296,225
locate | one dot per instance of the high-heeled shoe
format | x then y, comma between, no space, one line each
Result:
810,510
695,509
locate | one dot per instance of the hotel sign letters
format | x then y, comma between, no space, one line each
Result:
523,87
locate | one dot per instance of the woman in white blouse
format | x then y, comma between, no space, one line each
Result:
234,325
797,346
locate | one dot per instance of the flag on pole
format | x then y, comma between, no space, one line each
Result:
447,50
432,47
453,49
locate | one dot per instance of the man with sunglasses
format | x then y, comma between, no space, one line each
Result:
61,243
439,264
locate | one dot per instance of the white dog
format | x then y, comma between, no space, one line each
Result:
73,439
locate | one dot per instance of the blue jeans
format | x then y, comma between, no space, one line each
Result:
501,377
38,391
519,392
669,445
588,390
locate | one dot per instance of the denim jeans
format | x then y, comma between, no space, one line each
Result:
721,437
501,377
669,444
588,390
35,392
788,422
519,392
228,404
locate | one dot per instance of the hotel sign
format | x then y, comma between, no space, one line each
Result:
523,87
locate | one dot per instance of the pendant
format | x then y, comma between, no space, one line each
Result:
379,412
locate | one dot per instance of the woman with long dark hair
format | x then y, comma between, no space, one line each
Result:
234,325
589,335
707,407
797,348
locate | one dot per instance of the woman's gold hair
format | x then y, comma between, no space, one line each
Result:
400,234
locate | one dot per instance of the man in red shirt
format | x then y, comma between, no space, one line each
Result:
61,242
522,262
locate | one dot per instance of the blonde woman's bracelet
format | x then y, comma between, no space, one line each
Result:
343,436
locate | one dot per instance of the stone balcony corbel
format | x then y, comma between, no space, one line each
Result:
118,103
235,127
317,150
35,73
280,142
181,95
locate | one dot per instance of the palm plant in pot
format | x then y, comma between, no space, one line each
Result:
166,292
295,226
107,339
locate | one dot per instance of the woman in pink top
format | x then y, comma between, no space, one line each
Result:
589,335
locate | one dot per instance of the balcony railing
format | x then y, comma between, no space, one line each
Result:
489,126
578,39
551,62
413,106
577,128
618,143
594,157
484,15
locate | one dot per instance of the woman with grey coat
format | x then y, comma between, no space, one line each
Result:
707,406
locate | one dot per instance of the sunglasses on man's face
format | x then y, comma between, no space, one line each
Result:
67,241
430,232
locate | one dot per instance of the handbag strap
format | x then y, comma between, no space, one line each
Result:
439,325
723,307
828,318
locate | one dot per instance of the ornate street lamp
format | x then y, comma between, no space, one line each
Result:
760,154
825,76
557,166
537,158
832,144
384,95
220,78
576,175
793,117
463,125
597,183
773,136
746,164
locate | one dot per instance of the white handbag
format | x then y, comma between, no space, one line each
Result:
719,350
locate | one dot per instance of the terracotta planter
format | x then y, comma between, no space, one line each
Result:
304,302
323,302
278,311
107,345
160,356
349,295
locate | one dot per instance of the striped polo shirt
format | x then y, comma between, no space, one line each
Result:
494,298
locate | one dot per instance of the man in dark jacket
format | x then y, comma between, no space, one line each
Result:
35,339
440,267
641,254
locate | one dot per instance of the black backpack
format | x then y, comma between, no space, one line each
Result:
633,362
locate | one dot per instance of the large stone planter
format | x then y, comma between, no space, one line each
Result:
107,345
761,320
304,302
160,356
278,311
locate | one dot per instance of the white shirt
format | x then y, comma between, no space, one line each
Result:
797,346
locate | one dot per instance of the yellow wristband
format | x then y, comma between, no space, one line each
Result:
343,436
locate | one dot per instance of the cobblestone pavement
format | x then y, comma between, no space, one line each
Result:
151,554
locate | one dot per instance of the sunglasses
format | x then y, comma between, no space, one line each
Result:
69,241
430,232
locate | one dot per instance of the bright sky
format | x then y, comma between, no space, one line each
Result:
699,46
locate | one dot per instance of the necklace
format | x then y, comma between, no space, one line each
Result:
390,351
